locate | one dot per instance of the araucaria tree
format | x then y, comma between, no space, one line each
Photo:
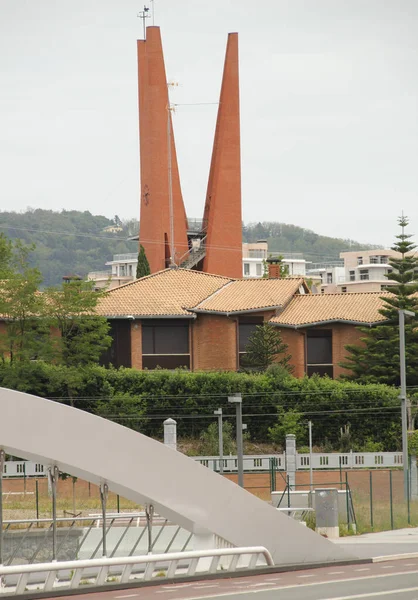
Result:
265,347
142,268
377,359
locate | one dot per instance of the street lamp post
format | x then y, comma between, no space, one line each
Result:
402,360
237,400
221,440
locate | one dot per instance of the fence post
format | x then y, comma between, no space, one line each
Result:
371,499
170,433
291,459
391,499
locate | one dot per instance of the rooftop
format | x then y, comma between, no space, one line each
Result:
182,292
358,308
166,293
245,295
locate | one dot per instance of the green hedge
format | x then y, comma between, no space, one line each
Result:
143,399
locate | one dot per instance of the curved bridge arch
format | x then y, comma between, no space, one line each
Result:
145,471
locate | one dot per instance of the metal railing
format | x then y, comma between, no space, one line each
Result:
193,256
126,534
23,580
128,256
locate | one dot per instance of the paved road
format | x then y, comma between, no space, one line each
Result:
400,541
390,580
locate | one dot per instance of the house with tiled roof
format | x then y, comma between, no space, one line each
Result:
185,318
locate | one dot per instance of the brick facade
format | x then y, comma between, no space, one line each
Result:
136,345
342,335
214,343
295,339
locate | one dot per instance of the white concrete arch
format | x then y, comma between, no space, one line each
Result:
145,471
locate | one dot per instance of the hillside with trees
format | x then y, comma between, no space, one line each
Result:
74,242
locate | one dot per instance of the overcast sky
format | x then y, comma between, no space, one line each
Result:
329,110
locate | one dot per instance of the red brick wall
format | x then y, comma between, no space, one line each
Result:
341,336
136,345
295,339
214,343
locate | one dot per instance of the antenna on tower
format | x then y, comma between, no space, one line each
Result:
143,15
153,11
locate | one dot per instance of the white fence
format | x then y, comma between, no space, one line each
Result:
256,462
349,460
24,580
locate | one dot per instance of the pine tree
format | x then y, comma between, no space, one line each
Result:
142,268
264,346
377,359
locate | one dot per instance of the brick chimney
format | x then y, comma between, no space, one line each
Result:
274,267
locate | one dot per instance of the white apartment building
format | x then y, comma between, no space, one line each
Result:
255,254
365,270
123,270
326,277
359,271
123,266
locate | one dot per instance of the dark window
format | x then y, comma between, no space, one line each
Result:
165,344
170,361
319,352
359,260
165,337
119,353
344,289
247,326
321,370
352,275
364,274
329,277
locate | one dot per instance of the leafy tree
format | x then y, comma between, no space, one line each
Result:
289,421
142,268
6,253
83,335
209,440
377,359
26,334
264,346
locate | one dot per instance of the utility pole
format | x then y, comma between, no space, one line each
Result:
237,400
218,412
310,457
170,109
402,313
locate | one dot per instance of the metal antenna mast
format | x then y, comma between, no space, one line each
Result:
143,15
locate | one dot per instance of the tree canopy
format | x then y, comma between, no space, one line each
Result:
377,359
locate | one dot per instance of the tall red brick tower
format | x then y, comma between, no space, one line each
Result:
158,219
217,246
223,199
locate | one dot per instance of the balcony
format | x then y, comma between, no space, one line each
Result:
132,256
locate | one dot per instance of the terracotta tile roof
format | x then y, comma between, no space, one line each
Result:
166,293
321,308
243,295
